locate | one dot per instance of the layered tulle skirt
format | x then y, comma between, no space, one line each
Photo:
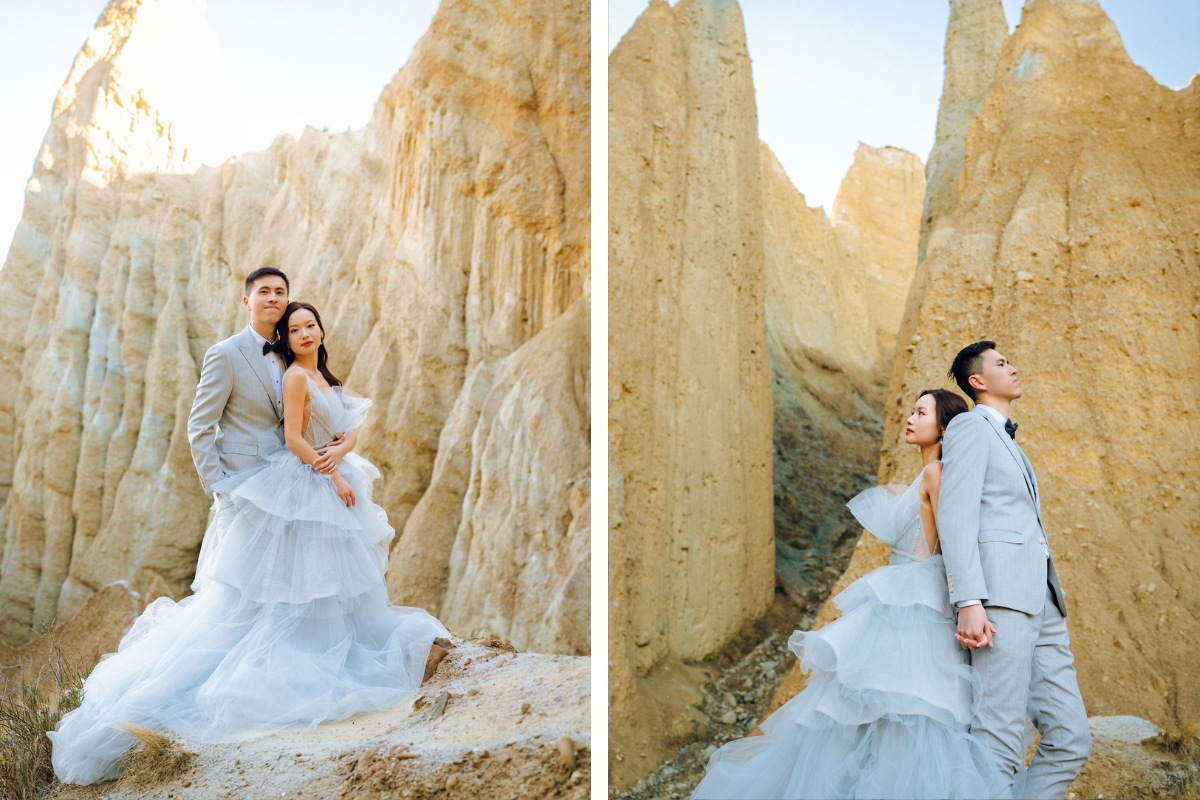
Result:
289,626
885,712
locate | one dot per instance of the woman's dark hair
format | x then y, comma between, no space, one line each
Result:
282,347
968,362
947,404
262,272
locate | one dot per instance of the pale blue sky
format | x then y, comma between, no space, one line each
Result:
830,74
276,67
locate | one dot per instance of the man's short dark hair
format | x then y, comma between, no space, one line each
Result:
968,362
263,272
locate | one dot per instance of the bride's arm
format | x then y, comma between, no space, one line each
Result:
295,391
332,454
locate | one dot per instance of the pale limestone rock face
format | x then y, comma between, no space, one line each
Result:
436,242
835,292
512,457
1074,246
690,531
520,564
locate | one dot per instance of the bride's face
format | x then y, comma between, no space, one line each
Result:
922,427
304,334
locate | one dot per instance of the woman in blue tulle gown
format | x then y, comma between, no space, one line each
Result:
886,710
290,623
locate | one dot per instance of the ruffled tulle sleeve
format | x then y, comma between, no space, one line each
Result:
353,412
876,510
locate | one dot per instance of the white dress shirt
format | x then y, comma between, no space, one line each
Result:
274,365
996,415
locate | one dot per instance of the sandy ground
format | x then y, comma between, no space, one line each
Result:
513,725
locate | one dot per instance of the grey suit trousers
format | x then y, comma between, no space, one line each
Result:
1031,660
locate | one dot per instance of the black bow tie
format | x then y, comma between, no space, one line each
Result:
272,347
1011,428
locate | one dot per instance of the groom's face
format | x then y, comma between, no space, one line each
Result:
999,378
267,299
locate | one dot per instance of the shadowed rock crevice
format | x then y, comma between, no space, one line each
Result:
835,296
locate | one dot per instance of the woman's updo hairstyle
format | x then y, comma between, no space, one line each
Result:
947,404
283,348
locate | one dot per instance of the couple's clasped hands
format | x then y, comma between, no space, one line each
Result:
974,628
328,458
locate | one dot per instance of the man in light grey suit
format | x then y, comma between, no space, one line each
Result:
237,416
1011,611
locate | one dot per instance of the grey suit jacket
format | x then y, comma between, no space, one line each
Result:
989,519
235,418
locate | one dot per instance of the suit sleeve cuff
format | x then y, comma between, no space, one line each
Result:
965,603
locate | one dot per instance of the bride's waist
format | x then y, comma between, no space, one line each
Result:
902,556
350,462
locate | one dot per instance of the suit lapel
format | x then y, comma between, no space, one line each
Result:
253,354
1029,471
1011,446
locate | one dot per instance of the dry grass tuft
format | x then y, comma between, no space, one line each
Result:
154,759
1182,742
30,705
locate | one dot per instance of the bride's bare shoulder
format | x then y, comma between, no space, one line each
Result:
932,479
295,377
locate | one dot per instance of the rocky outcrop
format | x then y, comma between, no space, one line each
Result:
438,243
1074,245
491,724
835,295
520,564
1132,757
691,550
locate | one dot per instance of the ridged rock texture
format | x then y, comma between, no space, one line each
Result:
447,247
835,296
975,33
741,322
1075,245
691,543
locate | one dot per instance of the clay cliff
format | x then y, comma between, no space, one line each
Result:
1074,244
975,34
690,535
447,247
749,352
